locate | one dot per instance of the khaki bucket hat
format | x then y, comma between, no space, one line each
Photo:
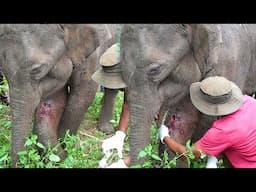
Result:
216,96
109,74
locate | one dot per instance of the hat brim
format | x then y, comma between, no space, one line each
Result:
216,109
109,80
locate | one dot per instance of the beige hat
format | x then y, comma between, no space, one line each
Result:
109,74
216,96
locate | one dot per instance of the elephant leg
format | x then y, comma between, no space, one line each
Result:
78,102
80,97
107,111
182,122
48,115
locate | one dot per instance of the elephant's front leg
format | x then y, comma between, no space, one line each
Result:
47,119
107,111
81,95
182,121
54,93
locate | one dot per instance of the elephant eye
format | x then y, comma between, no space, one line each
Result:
153,71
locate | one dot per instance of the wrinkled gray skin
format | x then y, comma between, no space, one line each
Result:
49,68
160,61
106,114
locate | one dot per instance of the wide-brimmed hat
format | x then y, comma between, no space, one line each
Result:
109,74
216,96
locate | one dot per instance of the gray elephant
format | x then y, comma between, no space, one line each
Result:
49,68
108,103
160,61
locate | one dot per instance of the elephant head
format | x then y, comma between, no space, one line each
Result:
160,61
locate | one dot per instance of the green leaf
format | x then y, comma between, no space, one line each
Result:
136,166
40,145
142,154
54,158
156,157
28,142
188,146
4,157
22,153
33,138
8,124
191,155
148,149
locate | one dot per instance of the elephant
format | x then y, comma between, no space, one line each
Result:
48,68
160,61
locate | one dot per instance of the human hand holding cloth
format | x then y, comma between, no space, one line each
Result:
163,132
114,142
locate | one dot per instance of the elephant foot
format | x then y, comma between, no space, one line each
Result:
106,128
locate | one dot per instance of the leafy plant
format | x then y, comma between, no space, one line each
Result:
80,154
95,108
36,155
153,160
5,126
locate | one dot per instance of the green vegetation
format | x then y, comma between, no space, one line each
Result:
152,157
5,127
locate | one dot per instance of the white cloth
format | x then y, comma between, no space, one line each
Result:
163,132
114,142
211,162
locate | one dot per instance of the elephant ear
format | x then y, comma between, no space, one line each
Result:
204,40
200,41
38,71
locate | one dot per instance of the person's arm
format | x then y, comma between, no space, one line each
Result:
180,149
175,146
117,140
125,115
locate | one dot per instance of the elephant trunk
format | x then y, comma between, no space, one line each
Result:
22,110
141,119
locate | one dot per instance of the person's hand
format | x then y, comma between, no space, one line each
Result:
163,132
114,142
